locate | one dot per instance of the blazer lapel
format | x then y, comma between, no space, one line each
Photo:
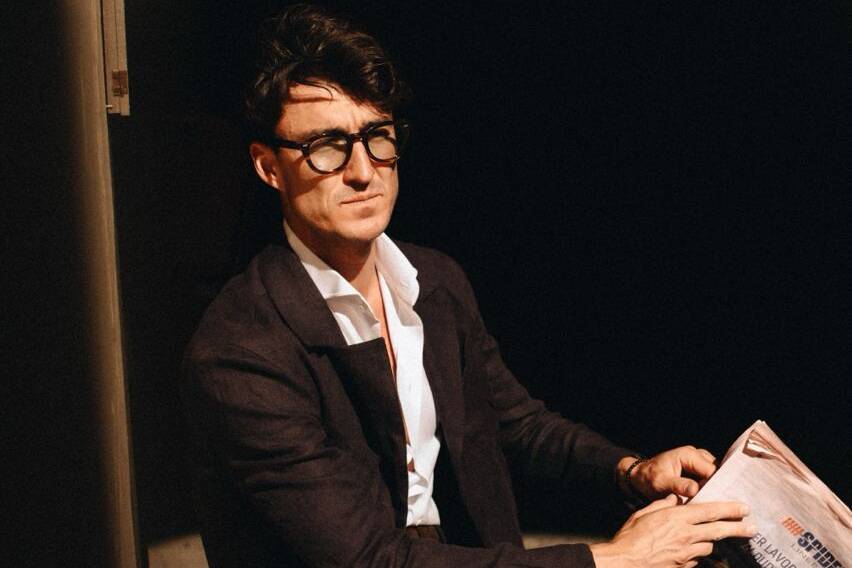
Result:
363,368
297,299
365,372
441,360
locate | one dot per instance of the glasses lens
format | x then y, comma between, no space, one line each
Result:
328,154
382,142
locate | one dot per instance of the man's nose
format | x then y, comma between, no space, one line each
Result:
360,170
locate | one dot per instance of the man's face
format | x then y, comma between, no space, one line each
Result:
329,211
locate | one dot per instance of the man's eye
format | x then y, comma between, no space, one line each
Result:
381,132
331,143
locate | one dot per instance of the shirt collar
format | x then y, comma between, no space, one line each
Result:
397,270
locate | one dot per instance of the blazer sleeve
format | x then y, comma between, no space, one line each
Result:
260,424
541,443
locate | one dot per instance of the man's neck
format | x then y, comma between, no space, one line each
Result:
360,271
355,261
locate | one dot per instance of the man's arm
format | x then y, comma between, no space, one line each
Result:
265,431
664,534
544,444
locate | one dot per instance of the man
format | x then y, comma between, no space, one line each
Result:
348,404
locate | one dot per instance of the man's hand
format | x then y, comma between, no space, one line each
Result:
667,535
680,471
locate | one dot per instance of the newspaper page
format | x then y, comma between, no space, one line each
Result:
801,523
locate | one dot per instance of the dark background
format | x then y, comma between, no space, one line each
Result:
652,203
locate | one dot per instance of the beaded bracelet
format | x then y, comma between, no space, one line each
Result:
626,478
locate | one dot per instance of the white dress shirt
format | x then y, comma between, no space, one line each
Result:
358,323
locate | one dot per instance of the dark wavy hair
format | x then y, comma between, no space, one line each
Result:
306,44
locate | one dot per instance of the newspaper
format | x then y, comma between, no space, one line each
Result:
800,522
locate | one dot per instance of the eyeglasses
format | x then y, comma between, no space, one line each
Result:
329,152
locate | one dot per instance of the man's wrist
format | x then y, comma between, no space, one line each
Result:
625,472
605,555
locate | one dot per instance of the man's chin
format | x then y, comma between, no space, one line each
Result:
361,237
365,230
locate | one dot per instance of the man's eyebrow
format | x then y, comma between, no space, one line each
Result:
317,132
336,130
373,123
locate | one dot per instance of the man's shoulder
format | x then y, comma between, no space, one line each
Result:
438,271
243,313
246,312
433,265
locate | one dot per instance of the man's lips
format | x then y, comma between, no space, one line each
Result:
360,198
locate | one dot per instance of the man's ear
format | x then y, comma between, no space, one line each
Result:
266,165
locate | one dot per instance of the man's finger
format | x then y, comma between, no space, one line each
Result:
707,455
669,501
716,531
699,549
685,487
696,513
696,462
